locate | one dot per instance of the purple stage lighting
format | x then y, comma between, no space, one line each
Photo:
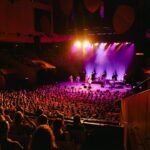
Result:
89,70
112,58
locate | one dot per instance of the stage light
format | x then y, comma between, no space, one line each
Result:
86,44
106,46
96,44
103,44
140,54
92,46
77,44
119,46
117,43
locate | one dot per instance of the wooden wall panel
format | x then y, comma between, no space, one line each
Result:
16,16
136,112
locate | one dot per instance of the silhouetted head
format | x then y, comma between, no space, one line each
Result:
57,124
39,112
43,138
18,117
42,119
61,116
76,120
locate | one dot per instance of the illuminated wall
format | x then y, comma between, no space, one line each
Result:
17,20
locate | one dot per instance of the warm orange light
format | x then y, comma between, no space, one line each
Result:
78,44
86,44
96,44
140,54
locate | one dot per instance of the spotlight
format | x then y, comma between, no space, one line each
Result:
78,44
117,43
92,46
96,44
86,44
140,54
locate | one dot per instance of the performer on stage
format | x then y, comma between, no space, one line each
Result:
94,75
104,75
114,76
125,78
89,81
71,79
78,79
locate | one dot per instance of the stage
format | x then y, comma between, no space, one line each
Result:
96,86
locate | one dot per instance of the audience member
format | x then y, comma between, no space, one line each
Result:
58,130
5,142
77,132
43,138
42,119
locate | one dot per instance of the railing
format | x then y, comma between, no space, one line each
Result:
96,122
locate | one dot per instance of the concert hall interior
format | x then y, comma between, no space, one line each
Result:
75,74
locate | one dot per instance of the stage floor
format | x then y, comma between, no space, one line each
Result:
82,86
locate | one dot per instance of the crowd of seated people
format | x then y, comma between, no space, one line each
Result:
53,99
28,114
35,134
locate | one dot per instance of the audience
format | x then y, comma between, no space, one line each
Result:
53,100
31,113
20,130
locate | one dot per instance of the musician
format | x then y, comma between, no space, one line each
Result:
89,81
94,75
78,79
71,79
104,75
125,78
114,76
